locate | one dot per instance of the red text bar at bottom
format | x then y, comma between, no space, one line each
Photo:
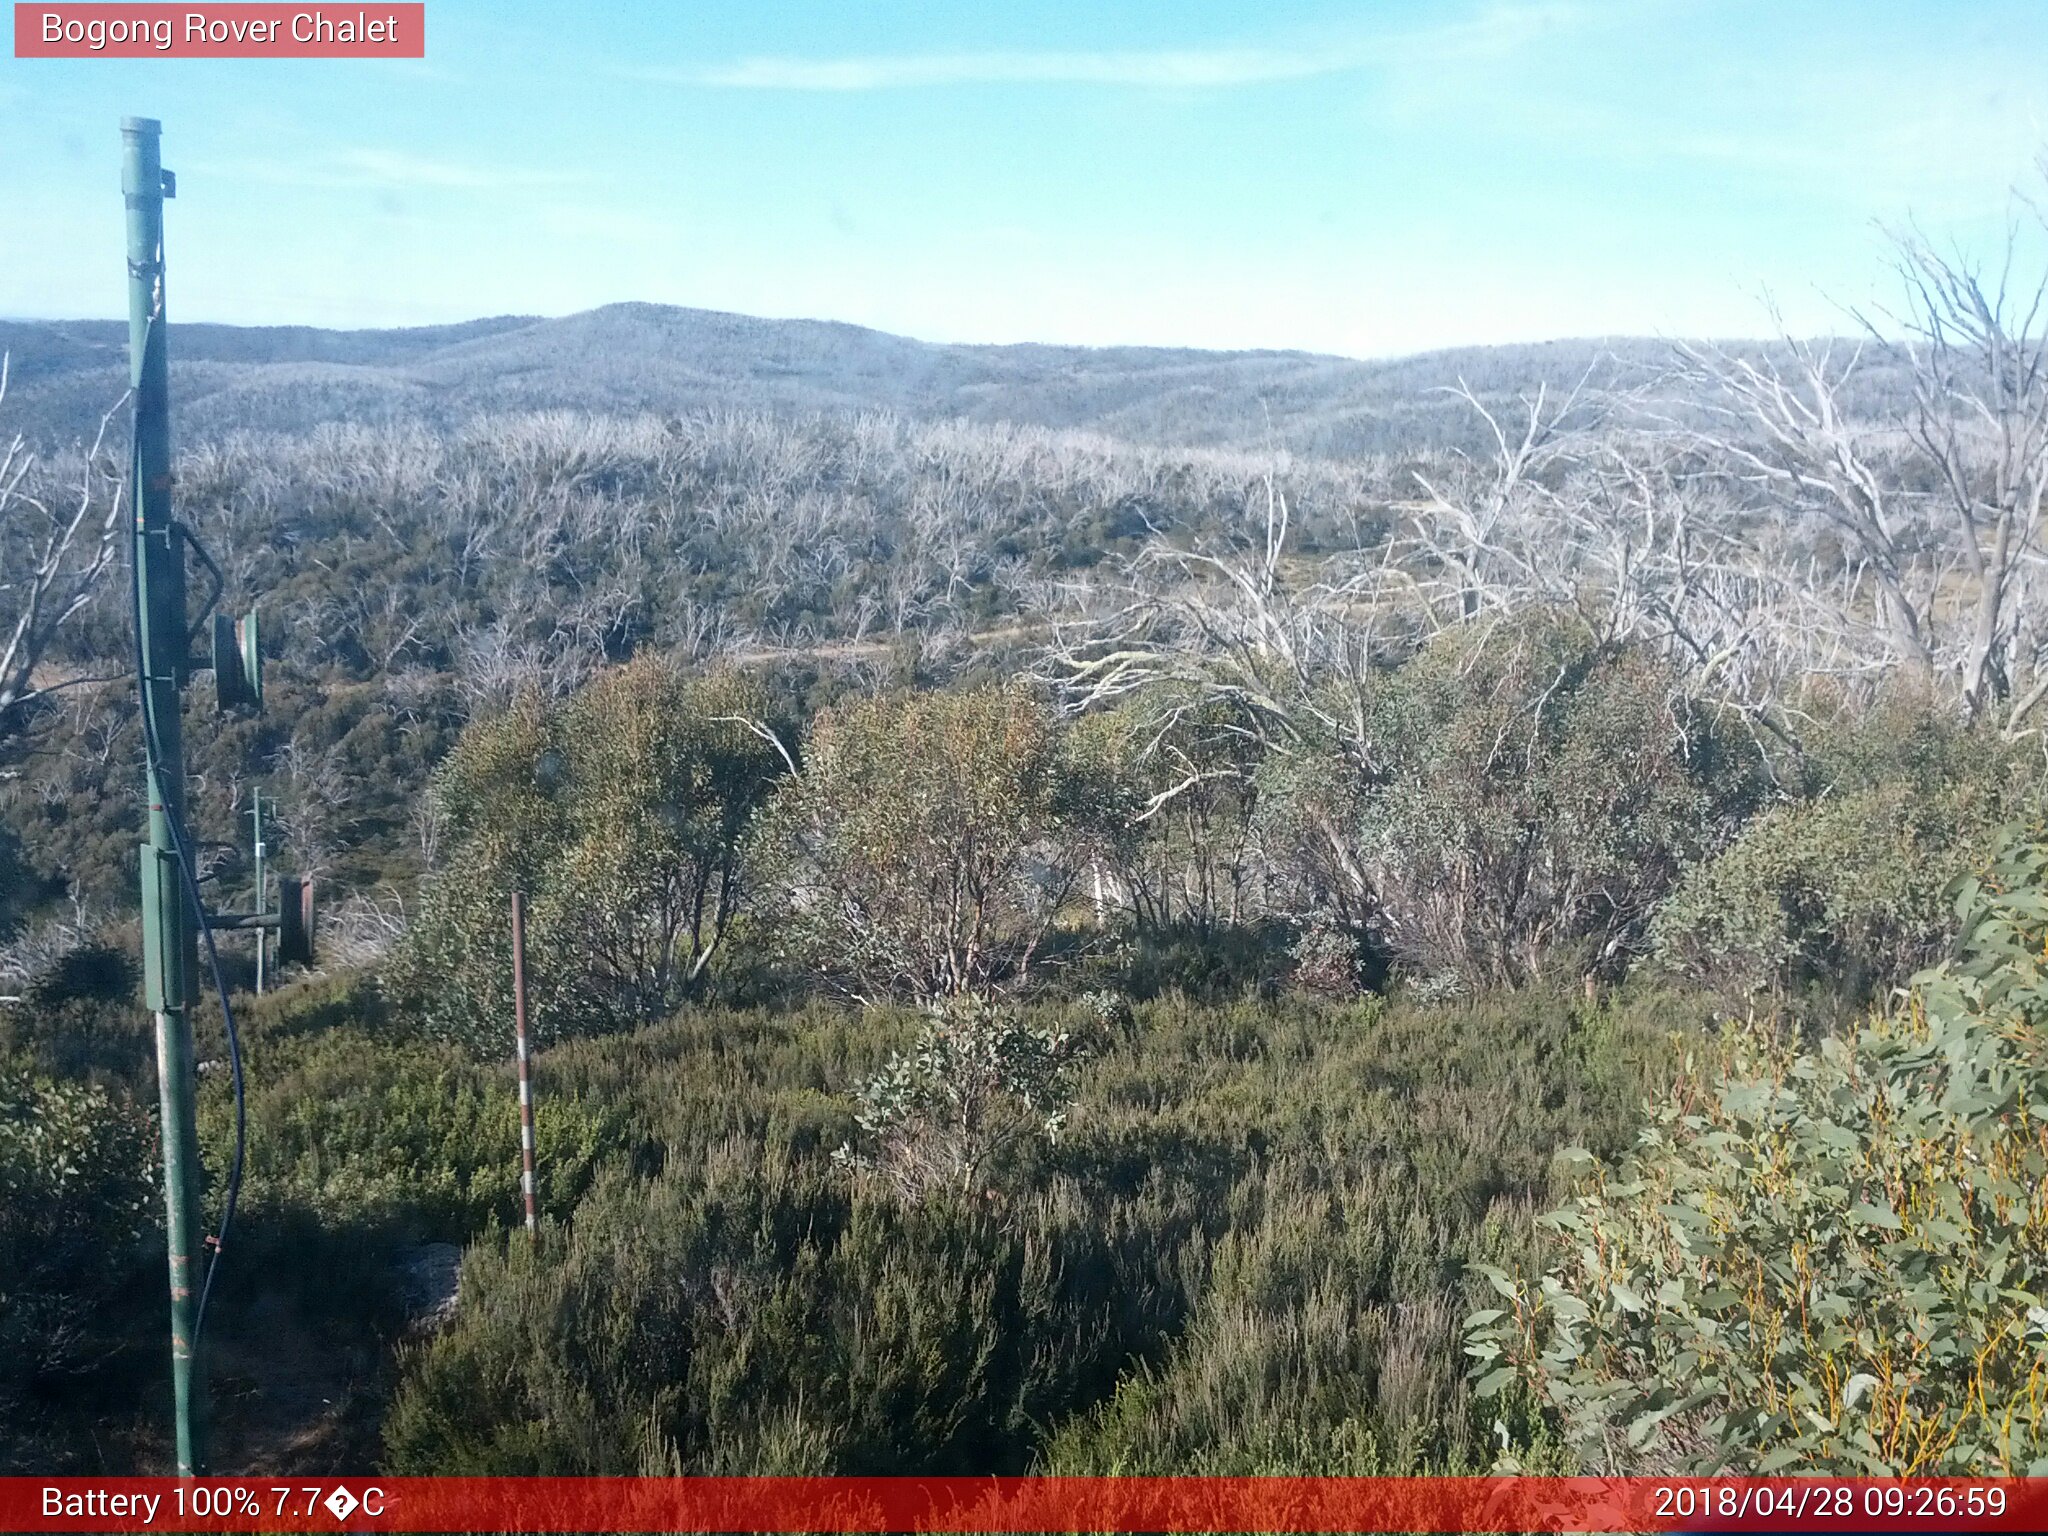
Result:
958,1504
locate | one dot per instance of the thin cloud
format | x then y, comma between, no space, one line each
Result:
1502,30
394,167
1178,68
362,167
1951,152
1494,31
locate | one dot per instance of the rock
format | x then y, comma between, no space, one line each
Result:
429,1277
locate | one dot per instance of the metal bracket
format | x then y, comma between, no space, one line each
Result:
294,921
226,922
163,969
220,581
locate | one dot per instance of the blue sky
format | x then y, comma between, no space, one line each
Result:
1369,179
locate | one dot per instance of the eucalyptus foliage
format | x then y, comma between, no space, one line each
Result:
930,844
1834,1259
978,1082
1848,891
1525,797
1841,886
620,813
77,1203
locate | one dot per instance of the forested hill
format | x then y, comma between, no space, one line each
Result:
649,357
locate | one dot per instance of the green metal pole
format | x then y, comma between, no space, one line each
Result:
170,958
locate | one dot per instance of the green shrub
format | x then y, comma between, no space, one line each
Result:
762,1318
620,814
1843,890
1246,1205
930,843
1390,1147
1297,1358
1219,962
411,1134
82,1039
1178,855
1326,960
78,1209
315,1005
1831,1260
1523,800
950,1114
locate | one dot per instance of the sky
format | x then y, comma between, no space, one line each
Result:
1369,179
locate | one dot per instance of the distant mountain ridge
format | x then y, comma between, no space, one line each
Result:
664,359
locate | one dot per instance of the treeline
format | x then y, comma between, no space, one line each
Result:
408,578
641,359
1546,810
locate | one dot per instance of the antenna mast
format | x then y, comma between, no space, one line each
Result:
174,916
169,940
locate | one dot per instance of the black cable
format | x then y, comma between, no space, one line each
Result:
174,819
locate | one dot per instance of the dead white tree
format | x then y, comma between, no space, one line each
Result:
1248,638
1780,427
56,545
1934,502
312,809
1485,524
362,928
1288,643
1767,519
1977,343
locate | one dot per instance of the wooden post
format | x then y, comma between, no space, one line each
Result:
520,1051
262,889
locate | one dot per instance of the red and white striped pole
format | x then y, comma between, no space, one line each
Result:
519,1050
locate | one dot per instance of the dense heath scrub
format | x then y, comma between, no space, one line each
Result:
1247,1248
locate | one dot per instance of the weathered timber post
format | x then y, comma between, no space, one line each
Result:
519,1048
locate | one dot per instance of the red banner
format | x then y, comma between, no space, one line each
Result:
116,31
958,1504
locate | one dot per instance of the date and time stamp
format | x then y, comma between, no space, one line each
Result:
1819,1504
